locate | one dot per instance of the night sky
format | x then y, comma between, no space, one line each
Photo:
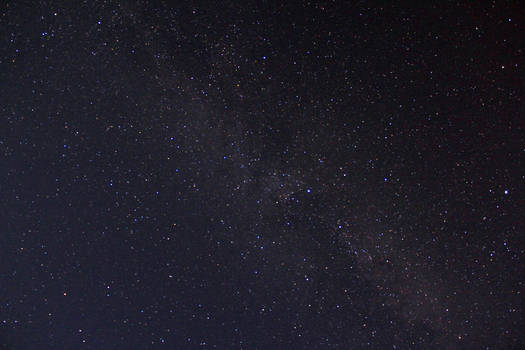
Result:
261,175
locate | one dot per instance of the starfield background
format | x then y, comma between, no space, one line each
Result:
261,175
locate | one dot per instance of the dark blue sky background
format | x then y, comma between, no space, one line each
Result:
264,175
